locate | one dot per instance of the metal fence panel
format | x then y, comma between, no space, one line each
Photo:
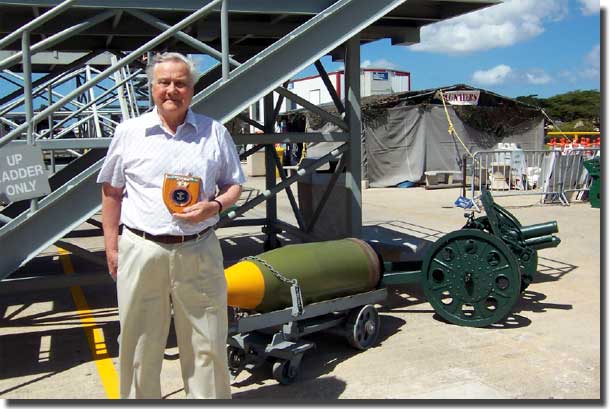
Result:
557,176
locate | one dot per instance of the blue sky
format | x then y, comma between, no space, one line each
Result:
520,47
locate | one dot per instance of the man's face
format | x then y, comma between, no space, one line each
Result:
171,88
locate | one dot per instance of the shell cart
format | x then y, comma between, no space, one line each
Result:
276,337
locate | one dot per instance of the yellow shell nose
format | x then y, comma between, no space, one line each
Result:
245,285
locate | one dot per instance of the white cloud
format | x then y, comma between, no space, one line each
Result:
589,7
503,73
537,77
497,26
592,65
494,76
381,63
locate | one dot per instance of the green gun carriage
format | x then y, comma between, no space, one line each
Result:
474,276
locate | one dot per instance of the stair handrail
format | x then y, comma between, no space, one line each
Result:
37,22
110,70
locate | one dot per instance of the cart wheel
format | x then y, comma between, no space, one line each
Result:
283,372
363,326
237,360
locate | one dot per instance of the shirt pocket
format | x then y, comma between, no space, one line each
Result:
207,170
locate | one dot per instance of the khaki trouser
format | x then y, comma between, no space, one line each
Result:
190,277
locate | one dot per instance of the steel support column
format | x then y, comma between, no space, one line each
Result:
353,117
271,203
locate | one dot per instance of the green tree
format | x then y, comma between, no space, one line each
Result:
569,107
532,100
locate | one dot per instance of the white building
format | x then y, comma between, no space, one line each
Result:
373,81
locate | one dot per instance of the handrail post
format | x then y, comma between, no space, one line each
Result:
27,89
50,101
224,38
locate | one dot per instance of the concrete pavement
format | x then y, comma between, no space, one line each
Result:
548,348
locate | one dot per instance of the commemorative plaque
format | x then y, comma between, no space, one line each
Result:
180,191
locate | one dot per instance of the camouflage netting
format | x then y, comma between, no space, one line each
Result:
405,134
497,123
495,115
374,111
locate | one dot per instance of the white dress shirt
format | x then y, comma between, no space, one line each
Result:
143,151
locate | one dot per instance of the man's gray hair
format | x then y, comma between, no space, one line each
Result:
177,57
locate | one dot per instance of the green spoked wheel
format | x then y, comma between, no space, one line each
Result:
471,278
527,259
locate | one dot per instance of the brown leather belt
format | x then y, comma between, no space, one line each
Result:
167,238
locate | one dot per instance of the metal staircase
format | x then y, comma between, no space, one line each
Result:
305,32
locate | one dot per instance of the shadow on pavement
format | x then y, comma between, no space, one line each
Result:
313,382
51,341
326,388
551,270
529,301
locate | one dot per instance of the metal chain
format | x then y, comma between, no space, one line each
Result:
276,273
295,290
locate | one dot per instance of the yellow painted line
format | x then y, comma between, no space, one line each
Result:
95,336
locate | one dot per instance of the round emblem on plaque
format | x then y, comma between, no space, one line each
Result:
181,197
180,191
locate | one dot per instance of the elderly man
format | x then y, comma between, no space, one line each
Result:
169,258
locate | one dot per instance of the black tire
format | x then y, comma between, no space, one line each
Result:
363,327
283,372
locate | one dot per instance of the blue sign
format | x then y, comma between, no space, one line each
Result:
380,76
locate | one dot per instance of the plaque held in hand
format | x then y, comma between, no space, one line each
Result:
180,191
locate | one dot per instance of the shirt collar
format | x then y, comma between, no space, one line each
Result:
189,119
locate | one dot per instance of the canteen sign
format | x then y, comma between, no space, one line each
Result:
462,97
22,173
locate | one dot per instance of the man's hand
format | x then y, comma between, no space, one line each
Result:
112,258
198,212
112,199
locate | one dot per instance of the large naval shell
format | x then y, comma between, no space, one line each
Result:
324,270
